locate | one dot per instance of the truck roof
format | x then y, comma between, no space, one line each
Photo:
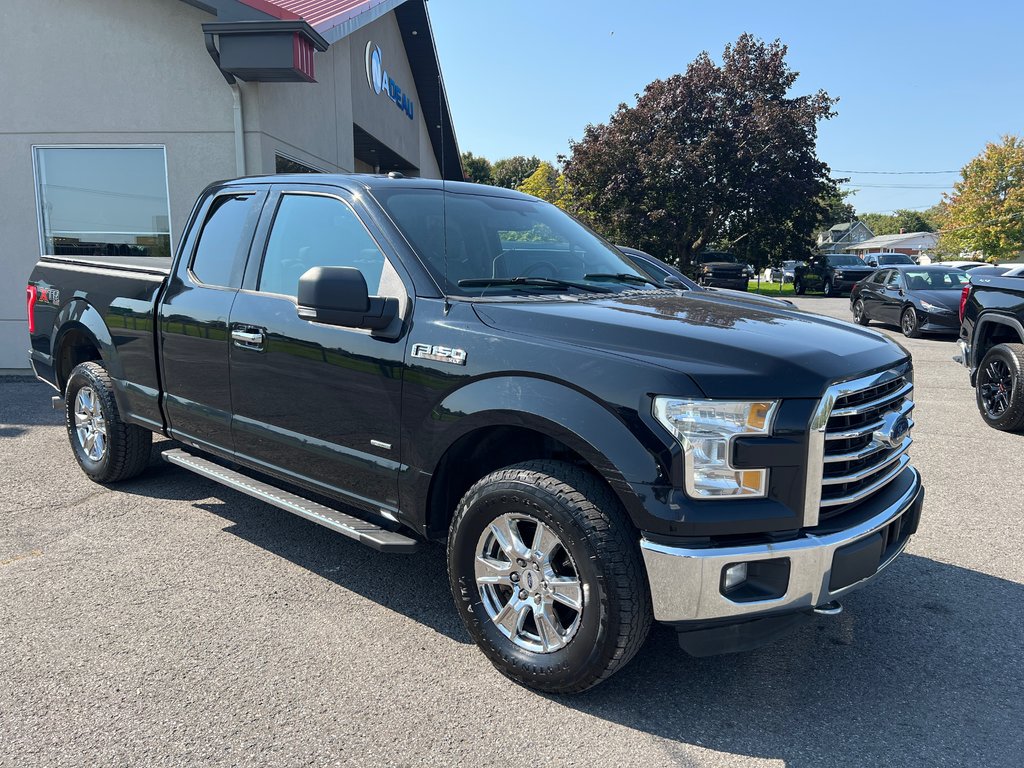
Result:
372,181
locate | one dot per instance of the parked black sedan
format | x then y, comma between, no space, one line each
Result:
920,299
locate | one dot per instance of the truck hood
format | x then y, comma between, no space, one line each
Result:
730,349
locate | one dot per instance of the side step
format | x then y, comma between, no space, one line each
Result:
364,532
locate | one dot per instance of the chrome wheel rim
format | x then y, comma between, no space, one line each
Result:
858,310
528,583
996,388
90,426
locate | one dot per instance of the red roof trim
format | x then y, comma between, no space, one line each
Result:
315,12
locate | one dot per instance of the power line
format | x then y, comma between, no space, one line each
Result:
897,173
894,186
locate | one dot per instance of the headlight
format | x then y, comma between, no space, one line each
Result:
929,307
705,429
839,273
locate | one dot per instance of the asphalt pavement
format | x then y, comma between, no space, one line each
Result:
170,621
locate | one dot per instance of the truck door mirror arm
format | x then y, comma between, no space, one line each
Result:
339,296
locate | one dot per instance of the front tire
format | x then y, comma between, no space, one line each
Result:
909,323
859,314
829,290
547,576
798,287
107,449
1000,387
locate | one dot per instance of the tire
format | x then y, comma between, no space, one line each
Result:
117,450
859,315
798,287
594,543
909,323
828,290
1000,387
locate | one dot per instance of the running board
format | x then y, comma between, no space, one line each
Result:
364,532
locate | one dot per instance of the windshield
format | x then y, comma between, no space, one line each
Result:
497,240
843,260
896,258
935,280
713,256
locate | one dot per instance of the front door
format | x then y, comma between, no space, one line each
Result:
892,298
314,402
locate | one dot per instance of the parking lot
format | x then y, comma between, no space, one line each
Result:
173,621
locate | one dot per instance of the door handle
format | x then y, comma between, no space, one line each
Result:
247,339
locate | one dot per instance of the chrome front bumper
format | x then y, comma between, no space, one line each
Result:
685,583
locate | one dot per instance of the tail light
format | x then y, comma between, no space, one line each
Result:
963,300
33,294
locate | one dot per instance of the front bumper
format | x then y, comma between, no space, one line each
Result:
733,283
686,583
939,322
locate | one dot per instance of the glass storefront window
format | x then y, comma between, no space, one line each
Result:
103,202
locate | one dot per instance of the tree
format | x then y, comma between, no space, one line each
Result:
477,169
510,172
901,220
547,184
718,153
985,211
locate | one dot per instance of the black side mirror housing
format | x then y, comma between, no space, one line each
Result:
338,296
674,282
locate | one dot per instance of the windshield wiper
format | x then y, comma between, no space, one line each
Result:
533,282
625,277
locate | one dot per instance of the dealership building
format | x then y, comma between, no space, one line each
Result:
117,113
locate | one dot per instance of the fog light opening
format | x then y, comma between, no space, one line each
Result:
755,580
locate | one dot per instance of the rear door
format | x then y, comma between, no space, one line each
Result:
315,402
871,293
193,318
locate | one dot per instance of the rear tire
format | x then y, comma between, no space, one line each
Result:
1000,387
829,289
107,449
530,635
859,315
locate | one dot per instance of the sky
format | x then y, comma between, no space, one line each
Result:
922,86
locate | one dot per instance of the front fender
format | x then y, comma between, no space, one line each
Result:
625,454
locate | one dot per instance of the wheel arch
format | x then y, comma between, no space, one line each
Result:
992,330
509,420
81,335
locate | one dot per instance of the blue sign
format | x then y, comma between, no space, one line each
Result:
381,83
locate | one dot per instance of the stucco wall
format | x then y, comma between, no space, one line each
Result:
137,72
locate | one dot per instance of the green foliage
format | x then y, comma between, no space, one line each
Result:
985,211
721,152
547,184
510,172
476,169
902,219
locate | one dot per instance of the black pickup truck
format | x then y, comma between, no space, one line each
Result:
992,347
402,361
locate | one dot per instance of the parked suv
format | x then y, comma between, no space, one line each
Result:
402,360
832,274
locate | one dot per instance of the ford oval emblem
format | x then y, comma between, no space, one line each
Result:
893,430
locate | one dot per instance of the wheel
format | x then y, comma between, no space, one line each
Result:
798,287
1000,387
828,290
909,323
546,572
859,315
107,449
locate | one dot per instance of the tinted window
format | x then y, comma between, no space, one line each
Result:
879,276
895,258
894,280
221,240
843,260
315,231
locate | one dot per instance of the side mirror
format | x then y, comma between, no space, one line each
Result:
338,296
674,282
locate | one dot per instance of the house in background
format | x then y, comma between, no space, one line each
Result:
117,113
837,237
909,243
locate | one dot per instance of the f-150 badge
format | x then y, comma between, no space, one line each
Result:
439,353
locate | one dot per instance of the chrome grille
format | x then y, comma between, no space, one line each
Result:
855,463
